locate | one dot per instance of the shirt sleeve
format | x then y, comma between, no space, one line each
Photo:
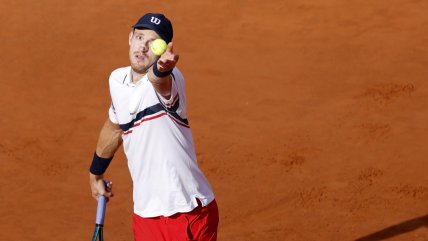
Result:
112,114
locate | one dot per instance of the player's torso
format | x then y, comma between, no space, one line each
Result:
153,122
159,147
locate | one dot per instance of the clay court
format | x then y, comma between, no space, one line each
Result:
310,117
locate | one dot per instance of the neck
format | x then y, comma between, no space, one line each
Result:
135,76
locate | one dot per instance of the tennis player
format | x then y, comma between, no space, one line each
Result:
172,198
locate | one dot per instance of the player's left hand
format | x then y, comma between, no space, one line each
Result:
167,60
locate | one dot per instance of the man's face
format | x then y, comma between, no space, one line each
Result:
140,56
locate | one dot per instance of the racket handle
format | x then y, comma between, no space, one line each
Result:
101,210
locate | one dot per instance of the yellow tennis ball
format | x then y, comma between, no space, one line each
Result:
158,46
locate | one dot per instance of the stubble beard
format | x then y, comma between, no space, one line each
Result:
138,68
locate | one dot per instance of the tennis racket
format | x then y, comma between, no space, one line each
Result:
99,221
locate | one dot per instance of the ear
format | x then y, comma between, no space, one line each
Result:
131,34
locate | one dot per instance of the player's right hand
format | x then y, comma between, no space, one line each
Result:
168,60
99,186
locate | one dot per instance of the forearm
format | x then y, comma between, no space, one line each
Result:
162,85
108,142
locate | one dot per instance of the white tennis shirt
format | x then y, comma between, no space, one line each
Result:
158,144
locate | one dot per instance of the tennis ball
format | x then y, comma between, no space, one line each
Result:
158,46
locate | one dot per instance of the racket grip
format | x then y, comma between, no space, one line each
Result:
101,210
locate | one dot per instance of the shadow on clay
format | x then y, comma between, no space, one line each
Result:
397,229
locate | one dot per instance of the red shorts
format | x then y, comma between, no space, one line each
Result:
199,224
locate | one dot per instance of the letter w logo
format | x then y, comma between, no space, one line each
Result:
155,20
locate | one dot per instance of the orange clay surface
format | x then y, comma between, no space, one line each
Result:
310,117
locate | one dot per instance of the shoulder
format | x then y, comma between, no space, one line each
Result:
119,75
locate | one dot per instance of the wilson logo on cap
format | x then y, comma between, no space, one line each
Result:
155,20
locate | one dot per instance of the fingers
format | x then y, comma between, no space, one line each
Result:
108,185
167,64
169,54
102,188
169,47
108,189
168,60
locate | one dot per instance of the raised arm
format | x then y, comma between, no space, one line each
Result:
160,73
109,141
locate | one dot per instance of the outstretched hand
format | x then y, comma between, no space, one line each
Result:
167,60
